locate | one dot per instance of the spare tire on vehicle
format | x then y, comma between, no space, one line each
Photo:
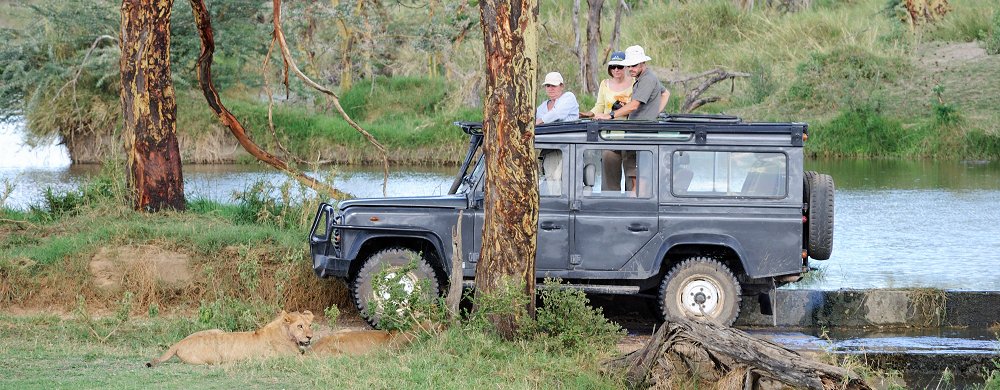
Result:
819,227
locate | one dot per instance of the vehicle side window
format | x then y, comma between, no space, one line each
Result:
617,173
728,174
550,172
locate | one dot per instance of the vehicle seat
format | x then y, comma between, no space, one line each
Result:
589,176
550,176
683,174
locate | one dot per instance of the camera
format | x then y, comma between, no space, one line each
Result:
618,104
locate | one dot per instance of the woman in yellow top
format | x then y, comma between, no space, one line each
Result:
616,89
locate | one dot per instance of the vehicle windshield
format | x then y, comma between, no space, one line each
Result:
473,177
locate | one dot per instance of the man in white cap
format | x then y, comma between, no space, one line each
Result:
561,106
648,94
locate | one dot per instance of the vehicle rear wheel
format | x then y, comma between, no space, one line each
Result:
420,280
820,217
700,287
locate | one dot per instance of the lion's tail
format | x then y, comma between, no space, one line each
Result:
166,356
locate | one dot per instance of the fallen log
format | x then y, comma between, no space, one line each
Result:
733,359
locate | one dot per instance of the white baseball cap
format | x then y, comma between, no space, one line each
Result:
635,55
553,78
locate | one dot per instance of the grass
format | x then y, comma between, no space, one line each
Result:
45,351
248,254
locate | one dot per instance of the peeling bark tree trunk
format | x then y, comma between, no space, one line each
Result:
149,110
732,359
511,192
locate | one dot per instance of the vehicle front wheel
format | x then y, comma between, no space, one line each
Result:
700,287
419,280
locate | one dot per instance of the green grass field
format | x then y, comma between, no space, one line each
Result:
40,352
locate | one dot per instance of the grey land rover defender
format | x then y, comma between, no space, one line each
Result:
697,211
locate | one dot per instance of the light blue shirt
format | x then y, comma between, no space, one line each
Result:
565,109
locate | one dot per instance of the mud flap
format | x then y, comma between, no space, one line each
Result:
764,299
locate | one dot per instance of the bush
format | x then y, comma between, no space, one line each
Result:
993,39
403,306
231,314
842,76
567,319
860,131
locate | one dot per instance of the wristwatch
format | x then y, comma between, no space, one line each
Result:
612,114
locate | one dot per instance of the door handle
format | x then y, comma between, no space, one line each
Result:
638,227
550,226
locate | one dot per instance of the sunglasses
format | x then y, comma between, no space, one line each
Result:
616,67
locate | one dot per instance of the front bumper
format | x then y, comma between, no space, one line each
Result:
330,266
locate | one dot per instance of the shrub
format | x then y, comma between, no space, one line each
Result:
403,306
860,131
944,113
842,76
231,314
567,319
993,39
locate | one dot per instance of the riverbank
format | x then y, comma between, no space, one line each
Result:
869,85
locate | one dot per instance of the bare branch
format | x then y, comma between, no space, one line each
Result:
79,70
287,55
693,99
203,22
270,109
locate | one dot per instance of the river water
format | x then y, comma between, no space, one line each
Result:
898,224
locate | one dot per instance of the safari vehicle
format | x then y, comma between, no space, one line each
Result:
696,211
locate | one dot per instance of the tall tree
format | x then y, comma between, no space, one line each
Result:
149,110
511,191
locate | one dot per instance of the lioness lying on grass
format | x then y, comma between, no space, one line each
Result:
288,334
359,342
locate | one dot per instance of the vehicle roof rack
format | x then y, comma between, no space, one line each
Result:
698,118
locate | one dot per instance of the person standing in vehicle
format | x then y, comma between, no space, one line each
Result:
615,91
649,96
561,105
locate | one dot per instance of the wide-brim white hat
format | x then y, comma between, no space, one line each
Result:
635,55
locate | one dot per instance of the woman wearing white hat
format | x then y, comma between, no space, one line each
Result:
561,106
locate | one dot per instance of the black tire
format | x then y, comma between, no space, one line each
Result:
361,287
819,229
700,287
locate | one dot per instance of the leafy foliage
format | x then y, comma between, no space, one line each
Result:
993,39
400,304
567,320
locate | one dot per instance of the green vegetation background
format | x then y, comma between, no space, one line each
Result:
869,85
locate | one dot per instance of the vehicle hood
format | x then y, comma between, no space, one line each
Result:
456,201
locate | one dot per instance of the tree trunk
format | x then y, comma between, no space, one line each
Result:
149,109
728,357
616,31
511,191
591,83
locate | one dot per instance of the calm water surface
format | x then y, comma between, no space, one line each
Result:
898,223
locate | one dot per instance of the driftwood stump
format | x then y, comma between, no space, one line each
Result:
729,357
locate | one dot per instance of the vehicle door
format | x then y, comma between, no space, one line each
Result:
553,207
615,204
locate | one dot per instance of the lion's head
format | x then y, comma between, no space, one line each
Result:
298,326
